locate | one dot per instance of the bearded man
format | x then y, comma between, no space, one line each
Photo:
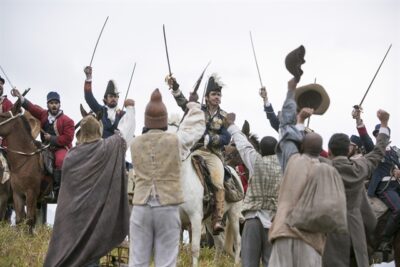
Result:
58,130
111,114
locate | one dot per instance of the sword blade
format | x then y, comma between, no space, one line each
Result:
376,73
166,50
130,81
98,39
5,75
255,58
197,84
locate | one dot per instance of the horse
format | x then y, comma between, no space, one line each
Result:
191,211
23,156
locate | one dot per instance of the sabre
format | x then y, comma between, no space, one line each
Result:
255,58
197,84
376,73
166,50
129,85
195,88
5,75
98,39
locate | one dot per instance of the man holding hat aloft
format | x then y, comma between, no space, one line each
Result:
111,114
155,224
210,146
58,130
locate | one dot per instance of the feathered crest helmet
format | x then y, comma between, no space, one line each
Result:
214,84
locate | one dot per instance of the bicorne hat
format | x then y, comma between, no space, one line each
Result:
213,84
111,89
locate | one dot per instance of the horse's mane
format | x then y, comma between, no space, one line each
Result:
26,125
254,140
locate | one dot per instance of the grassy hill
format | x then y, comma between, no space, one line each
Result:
19,249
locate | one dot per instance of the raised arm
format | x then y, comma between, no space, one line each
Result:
246,150
90,100
269,110
362,131
291,135
127,124
178,95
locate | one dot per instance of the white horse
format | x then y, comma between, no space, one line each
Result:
191,210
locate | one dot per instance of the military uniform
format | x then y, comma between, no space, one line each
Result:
210,146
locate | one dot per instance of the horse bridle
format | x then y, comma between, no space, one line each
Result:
11,118
19,152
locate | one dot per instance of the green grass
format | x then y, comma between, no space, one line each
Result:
19,249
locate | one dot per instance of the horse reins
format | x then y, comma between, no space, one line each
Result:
11,118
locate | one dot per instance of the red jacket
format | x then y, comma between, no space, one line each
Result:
5,104
64,126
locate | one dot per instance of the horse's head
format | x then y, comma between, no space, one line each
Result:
8,119
91,127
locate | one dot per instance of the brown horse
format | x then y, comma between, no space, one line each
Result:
24,163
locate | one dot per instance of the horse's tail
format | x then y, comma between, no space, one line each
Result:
229,238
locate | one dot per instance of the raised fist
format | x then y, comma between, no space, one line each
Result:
129,102
88,72
193,97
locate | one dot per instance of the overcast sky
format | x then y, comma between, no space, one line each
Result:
46,44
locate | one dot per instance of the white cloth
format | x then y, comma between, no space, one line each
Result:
127,125
51,118
111,113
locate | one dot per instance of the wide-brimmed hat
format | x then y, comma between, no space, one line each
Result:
312,96
294,60
34,123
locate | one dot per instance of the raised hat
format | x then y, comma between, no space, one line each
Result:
156,115
294,60
312,96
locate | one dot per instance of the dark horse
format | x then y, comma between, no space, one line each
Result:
24,161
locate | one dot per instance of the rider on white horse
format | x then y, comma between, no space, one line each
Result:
214,139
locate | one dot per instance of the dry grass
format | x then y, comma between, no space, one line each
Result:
19,249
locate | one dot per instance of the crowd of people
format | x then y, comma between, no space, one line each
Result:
89,179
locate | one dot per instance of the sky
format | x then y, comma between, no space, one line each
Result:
45,46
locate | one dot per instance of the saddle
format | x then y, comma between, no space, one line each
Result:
233,192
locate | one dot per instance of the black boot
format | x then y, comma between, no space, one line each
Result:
56,183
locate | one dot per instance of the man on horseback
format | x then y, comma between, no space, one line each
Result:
111,113
210,146
57,131
5,106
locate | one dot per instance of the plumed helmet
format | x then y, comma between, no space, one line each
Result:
53,96
156,115
294,60
214,84
111,89
312,96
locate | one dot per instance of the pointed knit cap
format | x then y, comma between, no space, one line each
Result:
156,115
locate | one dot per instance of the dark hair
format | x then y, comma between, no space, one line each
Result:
267,146
2,80
339,144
